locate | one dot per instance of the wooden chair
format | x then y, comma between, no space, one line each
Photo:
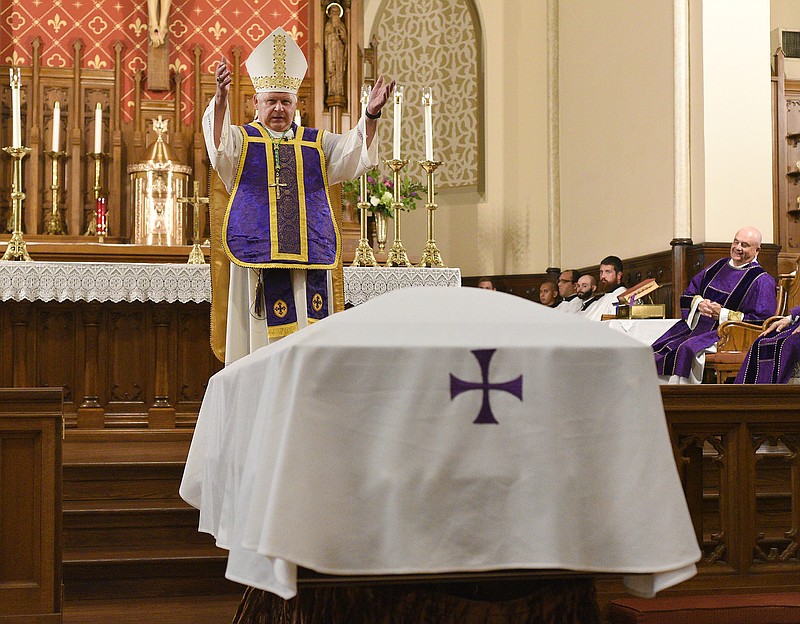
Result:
735,340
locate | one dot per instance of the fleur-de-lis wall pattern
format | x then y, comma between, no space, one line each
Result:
216,26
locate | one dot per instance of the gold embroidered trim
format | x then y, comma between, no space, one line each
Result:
279,80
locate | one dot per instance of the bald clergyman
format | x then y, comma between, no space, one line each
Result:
735,288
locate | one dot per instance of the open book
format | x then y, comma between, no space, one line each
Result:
637,292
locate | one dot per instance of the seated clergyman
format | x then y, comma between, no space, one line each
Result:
775,354
735,288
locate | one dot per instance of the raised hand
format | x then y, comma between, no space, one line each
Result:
380,94
223,77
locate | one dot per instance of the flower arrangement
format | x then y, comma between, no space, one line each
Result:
380,191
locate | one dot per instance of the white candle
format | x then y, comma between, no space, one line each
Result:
98,129
297,118
16,119
56,125
427,100
398,113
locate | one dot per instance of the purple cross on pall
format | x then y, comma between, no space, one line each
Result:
457,386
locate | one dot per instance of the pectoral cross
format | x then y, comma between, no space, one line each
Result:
278,184
276,145
196,255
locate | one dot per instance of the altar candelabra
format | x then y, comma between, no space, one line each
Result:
397,253
431,256
17,249
54,224
364,256
94,222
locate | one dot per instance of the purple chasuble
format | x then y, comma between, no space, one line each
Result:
279,214
772,359
749,289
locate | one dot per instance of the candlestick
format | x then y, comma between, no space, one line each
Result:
398,114
397,253
16,120
17,249
431,256
54,224
427,100
364,255
91,220
98,129
56,126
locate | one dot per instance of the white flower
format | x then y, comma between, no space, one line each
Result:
374,200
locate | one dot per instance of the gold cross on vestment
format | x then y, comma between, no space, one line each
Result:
196,255
278,184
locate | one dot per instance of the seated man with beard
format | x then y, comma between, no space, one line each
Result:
610,286
735,288
587,293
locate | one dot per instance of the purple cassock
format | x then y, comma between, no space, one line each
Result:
748,289
772,359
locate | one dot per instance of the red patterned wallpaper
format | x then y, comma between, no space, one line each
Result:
216,25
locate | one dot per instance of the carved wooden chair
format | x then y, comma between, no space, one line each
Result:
736,337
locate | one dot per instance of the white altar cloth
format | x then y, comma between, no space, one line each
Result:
104,281
352,447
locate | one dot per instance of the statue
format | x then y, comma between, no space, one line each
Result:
158,13
158,48
336,45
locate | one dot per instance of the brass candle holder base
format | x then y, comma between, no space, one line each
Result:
91,226
17,249
364,256
397,256
431,256
54,225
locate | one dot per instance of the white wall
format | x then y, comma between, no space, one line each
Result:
616,132
737,123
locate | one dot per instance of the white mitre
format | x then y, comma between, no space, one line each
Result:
277,64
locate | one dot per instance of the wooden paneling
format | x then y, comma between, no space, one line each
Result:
122,365
30,505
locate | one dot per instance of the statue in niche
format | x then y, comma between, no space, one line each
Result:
157,48
335,36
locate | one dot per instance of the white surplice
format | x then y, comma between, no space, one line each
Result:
346,156
346,454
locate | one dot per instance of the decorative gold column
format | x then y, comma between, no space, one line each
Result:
17,249
397,253
431,257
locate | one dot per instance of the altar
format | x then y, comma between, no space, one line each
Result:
129,341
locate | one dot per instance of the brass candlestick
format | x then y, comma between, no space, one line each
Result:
364,256
91,229
196,255
431,257
397,253
54,225
17,249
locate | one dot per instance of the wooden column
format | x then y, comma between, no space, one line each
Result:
77,157
115,185
30,519
90,414
680,280
20,319
161,415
